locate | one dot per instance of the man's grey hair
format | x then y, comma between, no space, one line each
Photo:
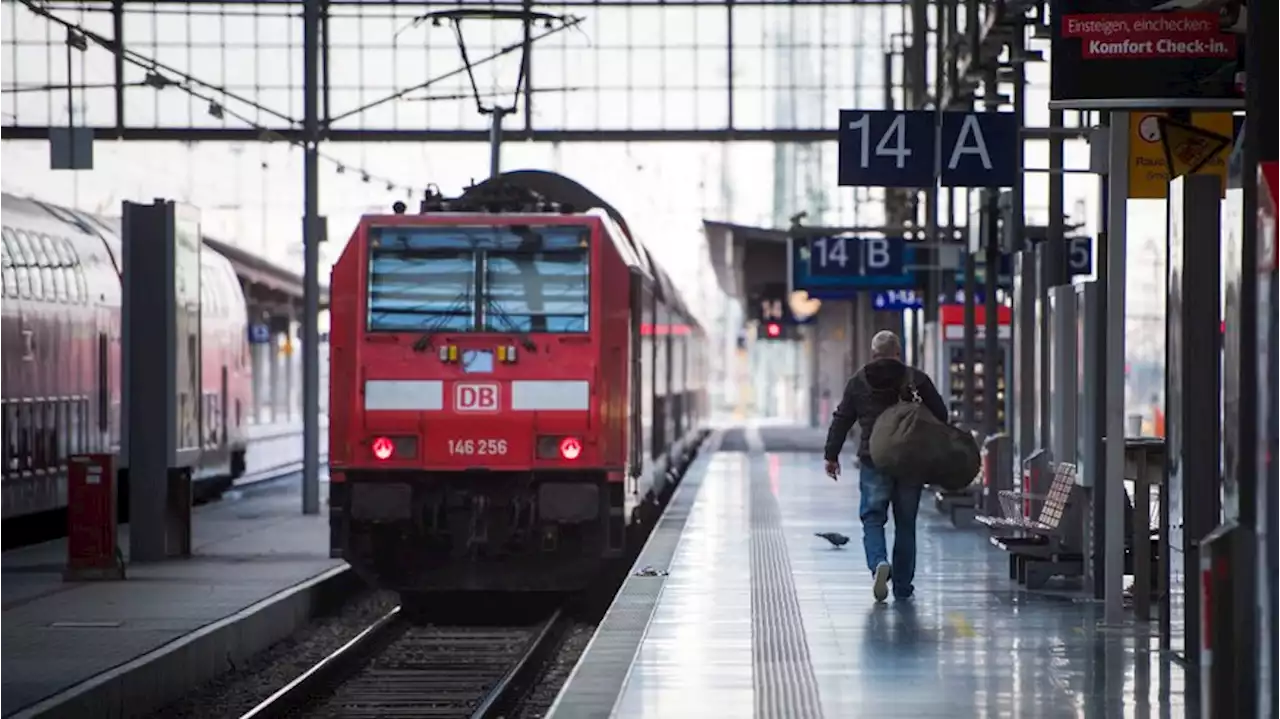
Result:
886,345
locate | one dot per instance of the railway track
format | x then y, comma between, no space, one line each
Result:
397,669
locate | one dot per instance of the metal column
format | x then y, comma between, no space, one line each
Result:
1261,146
991,338
311,236
162,400
1191,397
1112,479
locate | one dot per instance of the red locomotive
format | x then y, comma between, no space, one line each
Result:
515,385
61,368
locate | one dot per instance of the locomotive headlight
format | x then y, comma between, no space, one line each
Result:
570,448
383,448
558,447
397,447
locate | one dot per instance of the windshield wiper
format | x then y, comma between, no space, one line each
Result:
525,340
460,301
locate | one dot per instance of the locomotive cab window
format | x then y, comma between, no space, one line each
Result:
421,280
485,279
536,280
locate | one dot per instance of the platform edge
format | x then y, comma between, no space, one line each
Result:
163,675
566,703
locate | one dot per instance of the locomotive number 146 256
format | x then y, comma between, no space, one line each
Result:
468,447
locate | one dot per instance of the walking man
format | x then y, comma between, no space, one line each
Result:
872,390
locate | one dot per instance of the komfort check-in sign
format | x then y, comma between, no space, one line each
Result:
1135,53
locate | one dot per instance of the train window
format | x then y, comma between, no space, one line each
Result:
104,390
73,286
422,280
57,248
37,283
39,436
60,279
51,458
69,250
44,245
81,285
23,243
7,440
38,245
64,410
24,280
10,437
10,281
11,250
26,442
537,280
75,427
43,289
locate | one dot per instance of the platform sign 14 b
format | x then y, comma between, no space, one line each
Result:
915,148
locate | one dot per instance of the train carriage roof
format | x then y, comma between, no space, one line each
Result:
559,189
551,186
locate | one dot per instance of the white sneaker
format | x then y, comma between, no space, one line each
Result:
881,587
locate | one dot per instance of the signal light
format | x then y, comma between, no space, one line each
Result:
570,448
383,448
773,329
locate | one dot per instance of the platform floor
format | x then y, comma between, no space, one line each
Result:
246,549
760,618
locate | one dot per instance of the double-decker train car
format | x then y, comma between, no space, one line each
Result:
515,385
61,362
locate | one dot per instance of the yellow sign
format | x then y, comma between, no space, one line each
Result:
1148,168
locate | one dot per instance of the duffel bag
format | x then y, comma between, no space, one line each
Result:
909,444
962,464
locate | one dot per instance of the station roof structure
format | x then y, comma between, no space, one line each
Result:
745,258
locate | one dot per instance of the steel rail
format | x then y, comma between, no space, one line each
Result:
500,699
345,660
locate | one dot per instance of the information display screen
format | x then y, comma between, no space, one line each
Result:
186,298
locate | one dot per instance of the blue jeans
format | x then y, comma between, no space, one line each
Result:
878,492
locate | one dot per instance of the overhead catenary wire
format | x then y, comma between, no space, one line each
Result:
201,91
160,76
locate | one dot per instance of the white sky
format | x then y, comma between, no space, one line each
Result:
250,194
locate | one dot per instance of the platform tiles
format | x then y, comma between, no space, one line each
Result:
760,618
258,565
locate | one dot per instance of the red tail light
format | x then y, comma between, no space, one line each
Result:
383,448
570,448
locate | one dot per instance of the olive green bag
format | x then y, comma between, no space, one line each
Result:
910,445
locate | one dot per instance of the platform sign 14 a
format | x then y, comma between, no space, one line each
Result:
913,148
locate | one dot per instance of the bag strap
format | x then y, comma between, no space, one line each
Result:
907,391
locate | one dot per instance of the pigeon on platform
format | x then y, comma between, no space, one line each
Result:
837,539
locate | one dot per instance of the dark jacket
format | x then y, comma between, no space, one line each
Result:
872,390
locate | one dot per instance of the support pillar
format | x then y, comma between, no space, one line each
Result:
163,401
1262,112
1112,484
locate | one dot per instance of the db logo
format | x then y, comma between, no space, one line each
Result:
475,397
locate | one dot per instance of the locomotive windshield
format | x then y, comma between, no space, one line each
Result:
519,278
